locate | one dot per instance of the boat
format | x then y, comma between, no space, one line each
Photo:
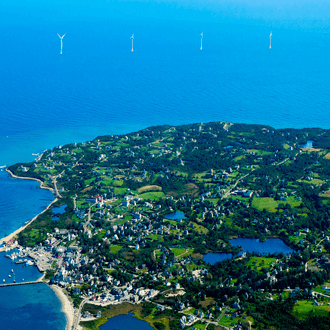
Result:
4,281
9,275
29,263
19,261
12,270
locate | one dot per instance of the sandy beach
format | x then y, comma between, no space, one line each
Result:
67,306
16,232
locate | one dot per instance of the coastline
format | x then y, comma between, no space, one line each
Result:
16,232
28,178
67,307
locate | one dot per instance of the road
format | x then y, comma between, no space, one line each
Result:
235,184
240,179
89,217
79,313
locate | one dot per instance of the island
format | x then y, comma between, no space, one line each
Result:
134,216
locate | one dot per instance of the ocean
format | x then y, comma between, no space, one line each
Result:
98,86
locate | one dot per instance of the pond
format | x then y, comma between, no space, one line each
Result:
308,145
175,216
59,210
125,322
271,245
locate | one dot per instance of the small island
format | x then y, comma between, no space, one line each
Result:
111,242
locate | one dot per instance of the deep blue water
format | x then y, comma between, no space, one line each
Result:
175,216
30,307
271,245
99,87
21,271
125,322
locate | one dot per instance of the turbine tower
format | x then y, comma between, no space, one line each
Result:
270,39
201,41
132,37
61,41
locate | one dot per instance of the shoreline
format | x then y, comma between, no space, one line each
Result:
67,307
29,178
16,232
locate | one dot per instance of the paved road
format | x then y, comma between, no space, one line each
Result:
79,313
89,217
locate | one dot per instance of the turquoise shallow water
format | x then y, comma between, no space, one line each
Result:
99,87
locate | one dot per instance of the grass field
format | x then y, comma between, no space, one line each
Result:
120,191
303,309
267,203
257,263
227,321
270,204
101,233
113,183
314,181
177,251
182,252
198,326
115,248
200,229
319,288
152,195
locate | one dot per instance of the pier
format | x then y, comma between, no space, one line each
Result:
21,283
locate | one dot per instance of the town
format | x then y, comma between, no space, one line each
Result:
135,216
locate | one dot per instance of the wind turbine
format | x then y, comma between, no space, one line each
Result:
132,37
201,42
61,41
270,38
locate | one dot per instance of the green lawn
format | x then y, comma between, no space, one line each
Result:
303,309
214,201
257,263
101,233
155,195
115,248
267,203
319,288
177,251
120,191
200,229
227,321
89,181
270,204
314,181
113,183
198,326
